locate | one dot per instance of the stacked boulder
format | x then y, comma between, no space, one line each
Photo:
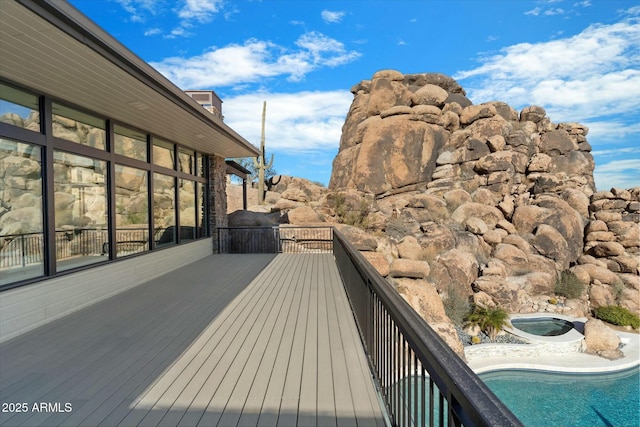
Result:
481,201
611,260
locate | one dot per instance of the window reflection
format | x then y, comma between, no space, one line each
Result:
19,108
79,127
201,210
164,209
80,210
163,154
130,143
21,224
132,211
187,201
186,161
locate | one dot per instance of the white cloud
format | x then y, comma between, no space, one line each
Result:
535,12
618,174
612,131
579,77
296,123
255,60
200,10
332,17
189,13
153,32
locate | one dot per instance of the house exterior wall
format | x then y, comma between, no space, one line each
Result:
28,307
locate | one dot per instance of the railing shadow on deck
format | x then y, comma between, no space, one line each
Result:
420,379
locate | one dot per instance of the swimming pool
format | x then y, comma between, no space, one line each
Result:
554,399
542,326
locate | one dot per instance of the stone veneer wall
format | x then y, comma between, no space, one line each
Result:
217,197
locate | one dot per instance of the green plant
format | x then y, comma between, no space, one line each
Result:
456,305
617,291
617,316
490,320
568,285
476,339
346,214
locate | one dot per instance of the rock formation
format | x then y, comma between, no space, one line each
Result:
480,201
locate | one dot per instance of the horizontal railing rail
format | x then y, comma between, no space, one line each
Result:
275,239
422,381
20,250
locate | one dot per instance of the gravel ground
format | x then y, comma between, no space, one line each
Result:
507,338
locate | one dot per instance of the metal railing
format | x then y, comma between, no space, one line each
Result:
21,249
422,381
276,239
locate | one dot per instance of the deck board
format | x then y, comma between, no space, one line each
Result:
229,340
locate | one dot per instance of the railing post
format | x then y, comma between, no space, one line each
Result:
22,248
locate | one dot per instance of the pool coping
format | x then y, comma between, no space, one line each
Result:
565,362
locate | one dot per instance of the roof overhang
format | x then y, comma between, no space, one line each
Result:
52,48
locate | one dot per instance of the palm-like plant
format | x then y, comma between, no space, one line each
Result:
490,320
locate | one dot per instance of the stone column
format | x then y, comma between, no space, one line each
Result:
217,197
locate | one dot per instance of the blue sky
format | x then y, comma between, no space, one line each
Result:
579,59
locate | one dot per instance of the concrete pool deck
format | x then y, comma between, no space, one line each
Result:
576,362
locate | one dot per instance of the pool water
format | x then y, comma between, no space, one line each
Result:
545,327
551,399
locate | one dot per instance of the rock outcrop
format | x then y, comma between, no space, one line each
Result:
479,201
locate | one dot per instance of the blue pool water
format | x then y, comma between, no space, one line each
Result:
551,399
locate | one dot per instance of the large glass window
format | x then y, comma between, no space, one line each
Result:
163,154
186,161
132,211
80,210
21,224
130,143
164,209
201,210
187,202
76,126
19,108
201,165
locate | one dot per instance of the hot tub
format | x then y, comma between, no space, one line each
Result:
542,326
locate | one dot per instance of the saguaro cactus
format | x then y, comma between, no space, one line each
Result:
260,162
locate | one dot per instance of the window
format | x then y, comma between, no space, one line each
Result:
80,210
186,161
163,154
187,201
19,108
148,205
130,143
201,166
164,209
201,210
132,211
21,223
76,126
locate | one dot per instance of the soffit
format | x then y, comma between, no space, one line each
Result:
64,63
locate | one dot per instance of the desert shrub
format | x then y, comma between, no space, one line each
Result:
350,216
553,301
617,316
568,285
476,339
456,305
490,320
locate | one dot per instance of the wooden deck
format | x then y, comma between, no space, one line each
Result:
231,340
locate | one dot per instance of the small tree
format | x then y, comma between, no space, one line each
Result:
490,320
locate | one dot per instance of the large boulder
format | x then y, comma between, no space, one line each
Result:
394,153
601,340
